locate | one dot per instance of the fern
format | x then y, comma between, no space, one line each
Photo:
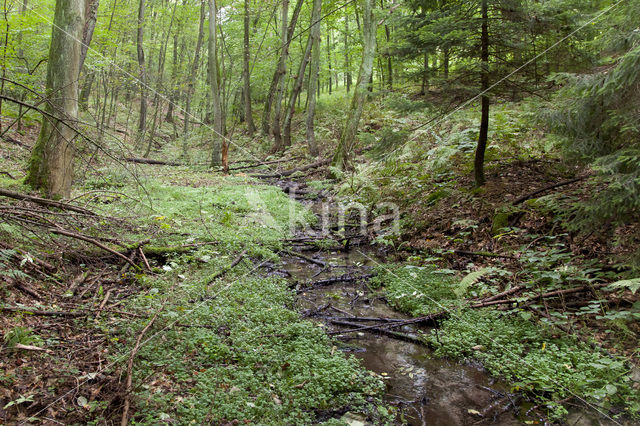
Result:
632,284
469,280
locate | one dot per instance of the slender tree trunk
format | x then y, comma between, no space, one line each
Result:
425,75
277,75
387,33
173,96
347,64
193,72
282,70
248,115
51,162
484,120
347,139
445,63
297,86
313,84
329,59
91,16
142,121
218,141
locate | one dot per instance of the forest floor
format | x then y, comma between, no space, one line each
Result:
167,293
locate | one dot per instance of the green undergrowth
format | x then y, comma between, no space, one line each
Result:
535,357
231,212
229,348
237,350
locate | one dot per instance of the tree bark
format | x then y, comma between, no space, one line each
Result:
248,115
297,86
142,121
345,146
275,80
347,64
313,85
484,119
425,75
194,70
91,16
282,70
217,137
51,162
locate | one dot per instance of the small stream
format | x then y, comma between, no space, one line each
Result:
427,390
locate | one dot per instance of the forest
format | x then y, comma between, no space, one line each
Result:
336,212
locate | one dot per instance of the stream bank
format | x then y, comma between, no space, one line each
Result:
333,290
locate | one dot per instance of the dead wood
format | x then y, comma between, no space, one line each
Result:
94,242
136,348
292,171
152,162
224,271
380,330
45,202
525,197
307,258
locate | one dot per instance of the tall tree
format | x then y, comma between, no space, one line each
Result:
194,69
297,85
218,142
282,71
142,119
478,163
347,139
51,162
313,86
246,91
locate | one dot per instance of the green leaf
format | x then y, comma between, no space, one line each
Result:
632,284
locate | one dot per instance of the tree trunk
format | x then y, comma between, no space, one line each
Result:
347,139
282,70
297,86
248,115
275,80
347,64
313,85
51,162
484,120
218,136
329,59
425,75
142,121
194,71
91,16
445,63
387,33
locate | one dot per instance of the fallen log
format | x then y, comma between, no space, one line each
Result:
263,163
292,171
150,161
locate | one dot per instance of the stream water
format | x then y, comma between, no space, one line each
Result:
427,390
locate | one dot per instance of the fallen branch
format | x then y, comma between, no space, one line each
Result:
525,197
482,254
224,271
44,202
292,171
36,312
428,319
307,258
136,348
380,330
340,279
94,242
